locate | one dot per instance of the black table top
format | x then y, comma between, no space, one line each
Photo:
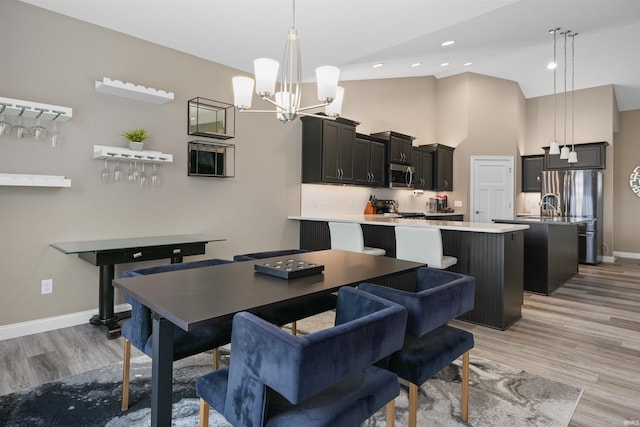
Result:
195,297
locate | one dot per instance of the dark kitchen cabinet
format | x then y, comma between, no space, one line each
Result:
422,160
532,173
399,146
442,166
590,156
327,150
369,161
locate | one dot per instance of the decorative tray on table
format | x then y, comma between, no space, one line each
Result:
288,268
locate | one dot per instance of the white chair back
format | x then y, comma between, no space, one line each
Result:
346,236
420,244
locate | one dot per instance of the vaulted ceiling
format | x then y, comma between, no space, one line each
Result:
502,38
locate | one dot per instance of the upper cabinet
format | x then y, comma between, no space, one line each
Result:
423,162
442,166
590,156
369,161
531,173
327,150
399,146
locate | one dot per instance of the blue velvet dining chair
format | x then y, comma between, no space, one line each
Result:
291,313
430,345
325,378
138,329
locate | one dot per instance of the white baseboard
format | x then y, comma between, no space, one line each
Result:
632,255
609,259
21,329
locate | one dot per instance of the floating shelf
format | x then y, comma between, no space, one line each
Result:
30,109
130,90
24,180
107,152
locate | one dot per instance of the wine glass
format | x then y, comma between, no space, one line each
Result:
105,174
117,171
21,131
143,177
155,178
5,127
55,138
38,132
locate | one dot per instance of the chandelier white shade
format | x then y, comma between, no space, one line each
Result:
334,108
287,100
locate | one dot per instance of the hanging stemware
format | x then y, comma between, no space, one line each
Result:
5,127
105,174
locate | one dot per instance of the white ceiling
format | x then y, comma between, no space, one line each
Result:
502,38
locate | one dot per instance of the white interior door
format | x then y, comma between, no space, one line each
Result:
491,187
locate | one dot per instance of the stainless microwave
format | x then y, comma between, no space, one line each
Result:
401,176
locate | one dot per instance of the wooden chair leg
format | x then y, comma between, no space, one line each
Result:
216,359
126,372
294,328
464,401
413,405
391,413
204,413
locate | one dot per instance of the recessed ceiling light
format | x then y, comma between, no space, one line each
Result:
444,64
417,64
447,43
378,65
552,65
466,64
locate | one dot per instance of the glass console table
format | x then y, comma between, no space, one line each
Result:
107,253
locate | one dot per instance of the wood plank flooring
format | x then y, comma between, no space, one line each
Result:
587,334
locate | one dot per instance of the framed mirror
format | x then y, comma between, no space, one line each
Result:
212,119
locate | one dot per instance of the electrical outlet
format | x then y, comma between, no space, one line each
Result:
47,286
457,204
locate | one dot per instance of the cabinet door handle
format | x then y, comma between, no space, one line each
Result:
373,177
177,251
137,255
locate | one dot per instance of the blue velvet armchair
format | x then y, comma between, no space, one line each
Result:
290,313
430,344
325,378
138,329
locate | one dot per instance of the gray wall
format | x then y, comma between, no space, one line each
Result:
53,59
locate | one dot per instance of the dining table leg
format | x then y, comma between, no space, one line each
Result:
161,372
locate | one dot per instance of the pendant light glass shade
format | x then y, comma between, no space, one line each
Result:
327,77
266,72
573,157
564,153
334,109
554,148
242,91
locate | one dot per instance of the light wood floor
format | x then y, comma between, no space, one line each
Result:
587,334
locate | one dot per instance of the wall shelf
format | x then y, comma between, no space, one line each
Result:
107,152
25,180
30,109
133,91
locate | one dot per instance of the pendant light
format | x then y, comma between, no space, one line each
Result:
554,148
287,100
573,156
564,153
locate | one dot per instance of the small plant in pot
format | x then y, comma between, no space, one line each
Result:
136,138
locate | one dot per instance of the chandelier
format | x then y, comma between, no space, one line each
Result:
566,153
287,100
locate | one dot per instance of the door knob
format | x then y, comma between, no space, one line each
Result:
478,212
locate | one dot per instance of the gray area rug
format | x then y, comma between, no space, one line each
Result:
498,396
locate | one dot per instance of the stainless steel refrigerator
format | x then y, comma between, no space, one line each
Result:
578,193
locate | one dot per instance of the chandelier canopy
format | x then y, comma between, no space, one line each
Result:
287,100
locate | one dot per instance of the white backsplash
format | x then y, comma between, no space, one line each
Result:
318,199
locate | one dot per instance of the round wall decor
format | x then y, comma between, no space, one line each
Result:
634,180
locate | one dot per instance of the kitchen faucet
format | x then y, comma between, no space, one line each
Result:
544,201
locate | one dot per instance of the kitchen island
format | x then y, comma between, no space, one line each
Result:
492,253
550,251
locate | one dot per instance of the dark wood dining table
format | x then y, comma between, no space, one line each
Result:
197,297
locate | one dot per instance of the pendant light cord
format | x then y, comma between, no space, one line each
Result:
573,91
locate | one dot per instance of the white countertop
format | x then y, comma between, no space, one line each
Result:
478,227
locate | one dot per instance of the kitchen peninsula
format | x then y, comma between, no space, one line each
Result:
492,253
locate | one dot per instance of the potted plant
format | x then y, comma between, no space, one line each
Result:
136,137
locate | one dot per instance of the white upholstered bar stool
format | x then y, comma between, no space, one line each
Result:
419,244
348,237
